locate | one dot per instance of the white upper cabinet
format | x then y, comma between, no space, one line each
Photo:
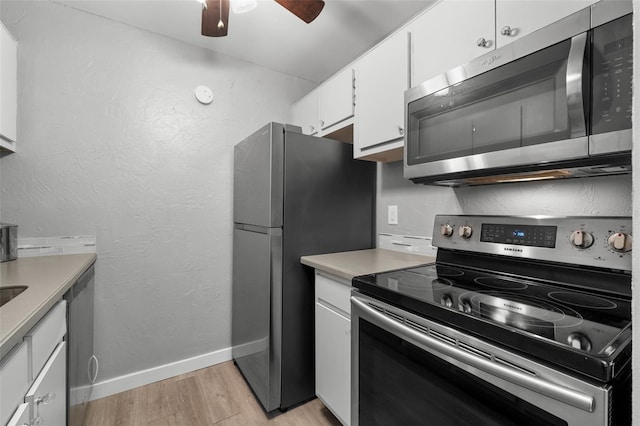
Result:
515,19
328,109
451,33
335,99
8,89
383,76
305,114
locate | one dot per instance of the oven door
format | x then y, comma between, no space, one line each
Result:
407,370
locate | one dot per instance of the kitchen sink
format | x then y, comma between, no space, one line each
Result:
8,293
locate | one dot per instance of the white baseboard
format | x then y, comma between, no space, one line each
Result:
161,372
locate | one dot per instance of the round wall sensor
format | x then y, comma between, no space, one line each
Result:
203,95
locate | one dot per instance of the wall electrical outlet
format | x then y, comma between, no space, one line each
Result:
392,215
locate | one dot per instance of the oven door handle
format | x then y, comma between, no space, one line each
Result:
559,393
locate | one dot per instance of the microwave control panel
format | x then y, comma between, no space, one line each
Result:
612,74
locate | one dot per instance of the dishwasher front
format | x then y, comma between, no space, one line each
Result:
82,364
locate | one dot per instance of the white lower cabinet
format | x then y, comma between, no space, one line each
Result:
333,344
33,376
48,394
21,417
14,381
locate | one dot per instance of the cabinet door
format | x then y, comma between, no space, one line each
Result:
449,34
519,18
305,113
14,381
333,361
21,416
335,99
383,76
48,394
8,88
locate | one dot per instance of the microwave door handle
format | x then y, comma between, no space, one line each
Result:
539,385
574,85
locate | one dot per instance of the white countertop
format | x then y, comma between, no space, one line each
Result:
350,264
47,278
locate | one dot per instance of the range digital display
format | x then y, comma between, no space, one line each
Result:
522,235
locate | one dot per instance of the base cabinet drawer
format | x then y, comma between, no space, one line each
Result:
48,394
43,338
334,291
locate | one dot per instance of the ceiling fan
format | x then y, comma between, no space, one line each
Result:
215,14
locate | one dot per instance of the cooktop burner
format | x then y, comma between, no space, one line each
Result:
444,271
533,316
583,300
501,283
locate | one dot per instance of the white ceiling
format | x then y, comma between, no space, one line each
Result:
270,35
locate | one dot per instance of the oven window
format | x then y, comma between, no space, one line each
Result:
400,384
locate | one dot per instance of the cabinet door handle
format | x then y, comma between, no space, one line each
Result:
321,123
46,399
311,129
400,130
483,42
508,31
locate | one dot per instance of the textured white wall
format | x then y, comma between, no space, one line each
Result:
112,142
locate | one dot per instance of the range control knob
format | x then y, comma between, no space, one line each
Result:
620,242
464,307
446,300
465,231
579,341
581,239
446,230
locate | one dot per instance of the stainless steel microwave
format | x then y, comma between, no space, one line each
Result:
554,104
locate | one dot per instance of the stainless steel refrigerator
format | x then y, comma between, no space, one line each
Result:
294,195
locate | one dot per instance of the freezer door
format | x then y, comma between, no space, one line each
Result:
258,177
257,311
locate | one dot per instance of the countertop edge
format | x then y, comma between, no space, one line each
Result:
338,272
351,264
31,319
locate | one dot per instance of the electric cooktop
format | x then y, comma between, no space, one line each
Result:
573,315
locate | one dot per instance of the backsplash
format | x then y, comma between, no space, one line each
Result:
418,204
407,243
29,247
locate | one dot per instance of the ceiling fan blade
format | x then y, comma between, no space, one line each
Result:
215,18
307,10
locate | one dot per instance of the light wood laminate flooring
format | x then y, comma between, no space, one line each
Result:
216,395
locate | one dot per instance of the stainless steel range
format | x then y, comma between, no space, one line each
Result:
521,320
